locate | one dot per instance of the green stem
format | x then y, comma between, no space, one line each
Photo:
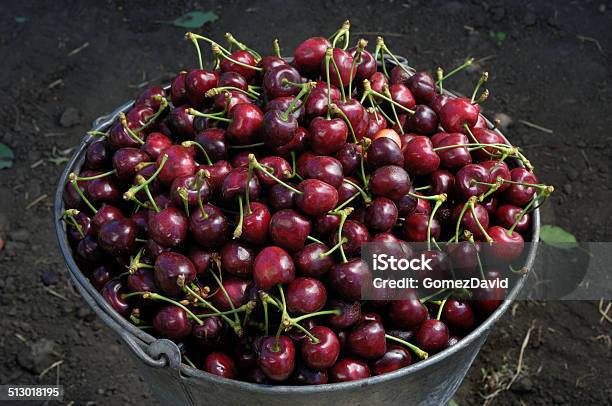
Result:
156,296
420,353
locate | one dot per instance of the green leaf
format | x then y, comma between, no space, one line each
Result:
453,403
501,36
557,237
20,20
6,156
195,19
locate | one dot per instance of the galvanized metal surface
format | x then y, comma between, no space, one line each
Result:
429,382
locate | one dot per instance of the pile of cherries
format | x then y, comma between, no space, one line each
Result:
228,213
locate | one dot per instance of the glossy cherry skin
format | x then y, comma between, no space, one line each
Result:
247,120
220,364
349,157
217,172
323,354
367,340
326,169
506,247
399,75
97,155
356,234
210,230
432,336
309,54
459,315
233,79
347,190
366,64
274,81
464,186
381,215
113,292
442,181
283,103
408,313
154,144
506,216
281,169
168,227
305,295
180,162
349,369
118,237
168,267
237,291
348,278
463,256
457,113
102,190
277,359
395,358
419,156
100,276
452,158
278,129
189,184
280,197
317,197
378,81
172,322
297,144
306,376
356,114
235,185
237,258
422,86
178,90
520,195
384,151
350,313
423,121
214,142
180,123
317,104
402,95
376,122
469,223
197,83
498,170
343,60
486,300
415,228
200,257
327,136
273,266
236,98
268,62
309,261
390,181
104,214
243,57
142,280
289,229
256,223
486,136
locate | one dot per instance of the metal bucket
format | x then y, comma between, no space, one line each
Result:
429,382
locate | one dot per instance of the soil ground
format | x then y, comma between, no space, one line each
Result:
549,64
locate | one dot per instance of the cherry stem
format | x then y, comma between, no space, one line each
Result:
339,76
440,75
439,200
151,199
334,248
328,56
418,189
475,217
365,144
68,218
311,337
397,120
467,63
130,194
259,166
361,45
311,238
335,312
481,81
335,110
416,196
380,42
263,296
428,298
188,144
284,317
97,134
543,195
441,307
200,176
255,145
344,213
344,33
231,40
206,303
227,296
292,106
163,103
367,199
419,352
369,91
193,39
157,296
463,210
73,181
350,199
277,50
194,112
126,127
238,230
216,48
218,90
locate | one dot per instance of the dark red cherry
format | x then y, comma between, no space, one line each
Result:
309,261
197,83
384,151
168,267
97,155
190,185
172,322
381,215
278,128
415,227
271,267
217,171
235,185
280,197
506,216
269,62
349,157
245,58
326,224
497,170
322,355
464,258
432,336
102,190
520,195
89,250
289,229
214,142
423,121
220,364
154,144
142,280
179,163
178,90
457,113
210,229
367,340
423,86
305,295
458,314
297,144
342,75
408,313
233,79
309,55
390,181
168,227
356,114
306,376
452,158
349,369
201,258
278,166
402,95
277,358
237,258
104,214
378,81
256,223
153,249
244,128
283,103
317,104
277,81
326,169
466,177
487,299
327,136
113,294
506,246
399,75
237,291
236,97
118,237
350,313
395,358
376,122
486,136
366,64
356,234
438,101
347,190
317,197
419,156
100,276
442,181
348,278
469,223
180,123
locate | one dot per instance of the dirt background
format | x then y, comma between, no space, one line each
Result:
551,69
